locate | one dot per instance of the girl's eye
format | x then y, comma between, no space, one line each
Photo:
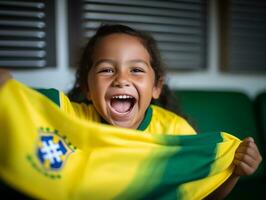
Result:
137,70
106,70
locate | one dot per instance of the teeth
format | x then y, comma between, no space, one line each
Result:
122,97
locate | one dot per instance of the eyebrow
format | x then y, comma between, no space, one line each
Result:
104,60
139,61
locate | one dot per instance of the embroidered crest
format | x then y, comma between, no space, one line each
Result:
52,149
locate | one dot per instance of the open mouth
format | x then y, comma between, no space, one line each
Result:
122,103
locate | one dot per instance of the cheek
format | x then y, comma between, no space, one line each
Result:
145,88
93,81
93,85
98,87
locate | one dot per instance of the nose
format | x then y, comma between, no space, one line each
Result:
121,80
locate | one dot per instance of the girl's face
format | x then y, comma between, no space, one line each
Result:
121,80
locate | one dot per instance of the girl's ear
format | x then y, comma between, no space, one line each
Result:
157,89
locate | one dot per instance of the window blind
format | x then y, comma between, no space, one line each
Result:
178,26
27,33
243,35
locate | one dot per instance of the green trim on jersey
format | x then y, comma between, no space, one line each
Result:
147,119
52,94
145,122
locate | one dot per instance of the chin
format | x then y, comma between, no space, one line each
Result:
124,125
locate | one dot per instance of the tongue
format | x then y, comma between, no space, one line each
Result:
121,106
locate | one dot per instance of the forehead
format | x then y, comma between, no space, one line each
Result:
119,37
121,44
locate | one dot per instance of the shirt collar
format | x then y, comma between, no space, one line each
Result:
145,122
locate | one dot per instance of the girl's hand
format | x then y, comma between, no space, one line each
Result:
247,158
4,76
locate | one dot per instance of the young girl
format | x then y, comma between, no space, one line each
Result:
121,73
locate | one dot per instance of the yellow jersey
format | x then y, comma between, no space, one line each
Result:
48,153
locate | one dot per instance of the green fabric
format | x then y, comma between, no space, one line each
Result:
189,163
185,164
146,121
52,94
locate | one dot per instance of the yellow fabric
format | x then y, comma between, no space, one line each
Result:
102,162
162,122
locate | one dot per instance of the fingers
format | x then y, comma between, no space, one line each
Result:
249,147
247,157
242,168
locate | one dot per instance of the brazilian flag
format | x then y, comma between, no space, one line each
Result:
47,154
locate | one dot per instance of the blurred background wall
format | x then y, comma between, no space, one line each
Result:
211,77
